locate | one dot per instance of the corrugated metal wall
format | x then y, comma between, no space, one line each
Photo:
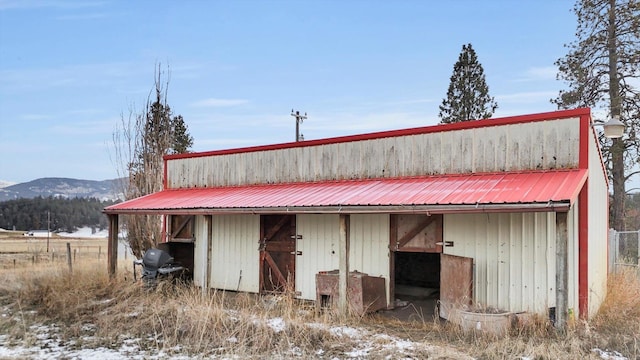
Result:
514,257
369,246
199,251
527,146
598,229
319,246
234,252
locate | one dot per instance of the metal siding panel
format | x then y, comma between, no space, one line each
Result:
501,149
515,266
572,264
551,259
508,271
200,251
597,232
235,250
435,153
525,146
319,246
369,246
468,152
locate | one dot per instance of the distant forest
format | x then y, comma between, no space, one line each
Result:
62,214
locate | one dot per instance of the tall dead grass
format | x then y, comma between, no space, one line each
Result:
172,318
91,307
617,324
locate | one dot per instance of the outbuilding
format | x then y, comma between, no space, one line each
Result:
508,213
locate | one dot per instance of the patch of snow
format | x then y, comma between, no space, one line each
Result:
4,183
277,324
346,331
609,354
86,232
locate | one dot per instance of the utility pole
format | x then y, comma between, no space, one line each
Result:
299,119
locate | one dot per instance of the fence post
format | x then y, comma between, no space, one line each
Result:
69,256
612,250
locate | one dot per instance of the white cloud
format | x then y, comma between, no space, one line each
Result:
538,73
35,117
215,102
61,4
526,97
89,16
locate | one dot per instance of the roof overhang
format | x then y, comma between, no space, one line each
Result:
460,193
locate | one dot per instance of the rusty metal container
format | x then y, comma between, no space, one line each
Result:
365,293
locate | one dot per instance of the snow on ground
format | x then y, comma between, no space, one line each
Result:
86,232
45,342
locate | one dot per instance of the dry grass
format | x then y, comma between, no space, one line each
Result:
97,311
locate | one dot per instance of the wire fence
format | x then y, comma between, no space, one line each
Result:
624,250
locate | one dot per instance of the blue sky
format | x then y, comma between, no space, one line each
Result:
70,69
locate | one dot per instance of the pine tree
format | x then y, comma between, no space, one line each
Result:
602,68
468,94
182,141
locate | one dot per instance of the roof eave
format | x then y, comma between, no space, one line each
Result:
551,206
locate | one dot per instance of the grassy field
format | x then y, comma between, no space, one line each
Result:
17,250
48,311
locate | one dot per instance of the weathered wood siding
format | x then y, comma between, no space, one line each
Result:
539,145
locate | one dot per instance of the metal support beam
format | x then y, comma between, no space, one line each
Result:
562,282
343,266
112,245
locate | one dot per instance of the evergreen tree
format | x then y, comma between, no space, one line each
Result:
182,141
602,69
468,94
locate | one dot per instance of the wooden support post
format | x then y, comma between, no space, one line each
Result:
343,266
207,258
112,245
562,282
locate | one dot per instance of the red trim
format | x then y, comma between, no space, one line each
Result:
582,112
164,175
583,252
583,219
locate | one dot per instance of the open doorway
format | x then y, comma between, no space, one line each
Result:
416,283
415,265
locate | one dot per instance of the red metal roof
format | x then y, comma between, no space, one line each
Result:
511,191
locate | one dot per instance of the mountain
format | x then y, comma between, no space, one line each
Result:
63,187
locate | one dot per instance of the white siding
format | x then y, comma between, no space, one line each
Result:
598,228
526,146
514,257
369,246
319,246
200,251
234,252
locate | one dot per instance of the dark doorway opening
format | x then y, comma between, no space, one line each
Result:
416,285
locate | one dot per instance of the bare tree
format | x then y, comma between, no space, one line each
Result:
141,140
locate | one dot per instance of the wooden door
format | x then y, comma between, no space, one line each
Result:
181,228
277,253
456,283
416,233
